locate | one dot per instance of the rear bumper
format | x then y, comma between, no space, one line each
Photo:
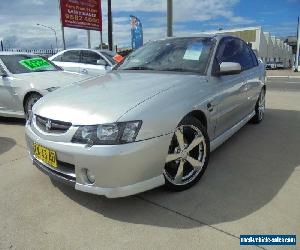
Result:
120,170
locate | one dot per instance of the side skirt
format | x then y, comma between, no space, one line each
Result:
226,135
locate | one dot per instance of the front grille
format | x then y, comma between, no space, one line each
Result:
52,126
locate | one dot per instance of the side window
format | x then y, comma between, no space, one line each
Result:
228,50
71,56
58,58
254,58
246,59
90,57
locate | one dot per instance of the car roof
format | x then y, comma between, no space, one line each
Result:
217,36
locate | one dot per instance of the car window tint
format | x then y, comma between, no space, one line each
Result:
71,56
235,50
90,57
246,57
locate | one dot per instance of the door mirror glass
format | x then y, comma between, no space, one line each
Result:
101,62
229,68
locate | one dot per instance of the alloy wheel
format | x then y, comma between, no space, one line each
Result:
186,156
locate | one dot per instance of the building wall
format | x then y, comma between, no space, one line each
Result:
270,49
263,46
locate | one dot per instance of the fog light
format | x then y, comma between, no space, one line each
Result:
90,176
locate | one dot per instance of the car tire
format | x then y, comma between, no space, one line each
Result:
260,107
29,102
188,155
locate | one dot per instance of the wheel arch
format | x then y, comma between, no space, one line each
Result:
27,95
200,115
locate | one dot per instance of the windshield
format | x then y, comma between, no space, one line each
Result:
19,64
110,57
178,54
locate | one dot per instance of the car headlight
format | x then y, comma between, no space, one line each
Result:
107,134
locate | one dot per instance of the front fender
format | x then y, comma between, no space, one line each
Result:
162,113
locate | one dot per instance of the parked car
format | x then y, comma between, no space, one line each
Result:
271,65
153,120
85,61
279,65
25,78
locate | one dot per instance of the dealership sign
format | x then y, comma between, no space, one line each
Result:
81,14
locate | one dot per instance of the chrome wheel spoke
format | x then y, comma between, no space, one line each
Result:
195,142
180,139
172,157
195,163
179,174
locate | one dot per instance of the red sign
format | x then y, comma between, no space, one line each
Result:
81,14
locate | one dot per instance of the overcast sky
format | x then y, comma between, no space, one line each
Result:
18,19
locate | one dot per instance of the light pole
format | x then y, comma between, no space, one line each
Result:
298,46
51,28
170,18
109,26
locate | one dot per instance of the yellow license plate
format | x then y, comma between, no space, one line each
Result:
45,155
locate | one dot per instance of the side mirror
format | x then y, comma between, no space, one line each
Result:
102,62
229,68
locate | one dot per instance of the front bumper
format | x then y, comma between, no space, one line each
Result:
120,170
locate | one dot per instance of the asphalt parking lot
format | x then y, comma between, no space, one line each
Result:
250,187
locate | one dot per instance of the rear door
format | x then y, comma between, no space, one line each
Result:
69,60
89,64
254,75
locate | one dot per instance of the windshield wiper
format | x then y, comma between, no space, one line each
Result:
139,68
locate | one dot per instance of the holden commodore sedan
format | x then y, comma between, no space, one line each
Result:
151,121
25,78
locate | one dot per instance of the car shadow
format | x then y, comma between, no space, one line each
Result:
243,175
6,144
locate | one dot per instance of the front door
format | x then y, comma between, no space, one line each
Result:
232,94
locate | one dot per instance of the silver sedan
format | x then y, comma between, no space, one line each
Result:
151,121
85,61
25,78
